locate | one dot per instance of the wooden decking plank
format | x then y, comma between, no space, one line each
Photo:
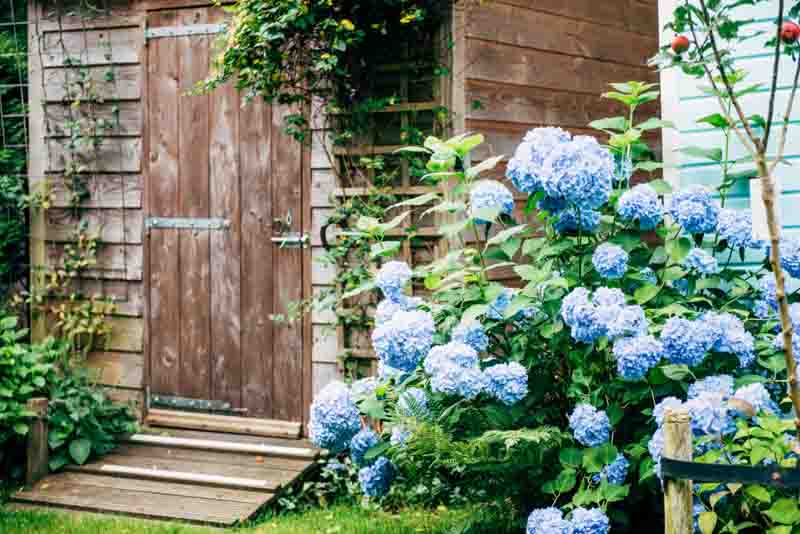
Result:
291,451
183,477
224,458
165,488
274,478
221,436
137,503
217,423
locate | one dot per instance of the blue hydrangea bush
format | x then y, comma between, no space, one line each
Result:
548,395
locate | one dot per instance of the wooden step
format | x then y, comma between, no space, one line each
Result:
169,475
223,423
225,446
152,499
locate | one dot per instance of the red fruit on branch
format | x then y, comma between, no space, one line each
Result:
680,44
790,32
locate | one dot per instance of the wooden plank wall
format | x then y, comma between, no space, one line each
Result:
324,348
103,44
522,64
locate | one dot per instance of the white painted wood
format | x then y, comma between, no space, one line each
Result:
223,446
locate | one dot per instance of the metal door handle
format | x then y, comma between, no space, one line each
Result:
292,240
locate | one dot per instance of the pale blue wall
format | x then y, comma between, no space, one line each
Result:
684,103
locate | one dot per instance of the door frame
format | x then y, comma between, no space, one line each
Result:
307,288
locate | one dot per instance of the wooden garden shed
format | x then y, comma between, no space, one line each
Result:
208,219
194,197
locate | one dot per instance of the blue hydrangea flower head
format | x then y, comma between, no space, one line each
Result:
641,204
649,276
731,337
490,195
413,402
604,296
526,168
569,304
667,403
625,321
363,388
758,397
587,324
701,261
403,341
387,373
399,436
498,307
473,334
392,277
388,307
715,384
589,521
453,353
615,473
589,425
507,382
790,256
376,479
334,418
695,210
710,415
656,448
686,342
581,172
467,382
361,443
636,356
736,227
547,521
570,221
552,205
610,261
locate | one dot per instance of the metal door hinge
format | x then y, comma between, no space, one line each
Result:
189,223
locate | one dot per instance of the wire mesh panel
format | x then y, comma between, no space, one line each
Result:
14,220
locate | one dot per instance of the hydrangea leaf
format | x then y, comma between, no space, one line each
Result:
420,200
596,458
784,511
675,372
661,187
506,234
571,457
707,521
646,293
759,493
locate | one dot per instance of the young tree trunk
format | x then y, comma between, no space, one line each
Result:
773,225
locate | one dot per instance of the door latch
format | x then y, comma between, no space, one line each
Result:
292,240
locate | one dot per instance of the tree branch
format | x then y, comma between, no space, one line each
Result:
786,117
775,71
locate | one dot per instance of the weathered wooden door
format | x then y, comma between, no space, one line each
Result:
219,175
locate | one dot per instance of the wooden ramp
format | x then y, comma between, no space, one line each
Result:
186,475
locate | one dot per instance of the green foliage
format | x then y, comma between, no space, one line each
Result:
84,422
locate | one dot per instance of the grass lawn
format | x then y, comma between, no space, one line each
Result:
336,520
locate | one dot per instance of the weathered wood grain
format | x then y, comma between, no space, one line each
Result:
38,450
165,294
126,335
121,369
527,67
528,28
109,225
287,271
114,154
103,191
323,182
226,285
124,117
193,201
639,16
258,210
59,83
678,517
84,47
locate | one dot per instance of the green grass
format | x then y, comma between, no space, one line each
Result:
336,520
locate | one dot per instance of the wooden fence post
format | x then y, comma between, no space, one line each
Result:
38,448
678,493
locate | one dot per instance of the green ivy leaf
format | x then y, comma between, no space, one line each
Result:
80,449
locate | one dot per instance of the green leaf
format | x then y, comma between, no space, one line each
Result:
384,248
80,449
715,119
654,123
619,124
376,451
648,166
566,480
20,428
714,154
366,286
506,234
662,187
420,200
483,166
452,229
678,249
784,511
529,273
373,407
676,372
475,311
646,293
759,493
571,457
707,521
596,458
